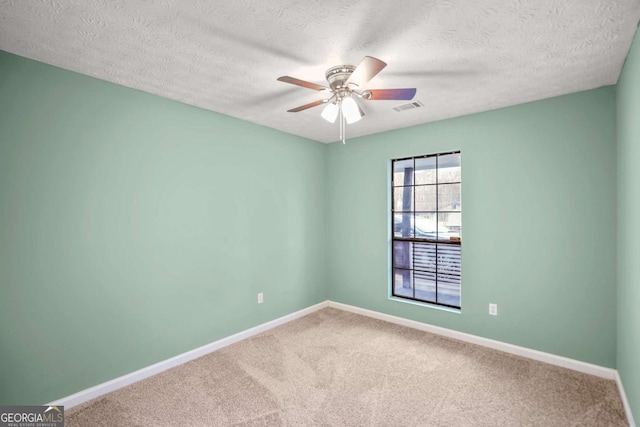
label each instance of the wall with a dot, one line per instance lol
(539, 224)
(134, 228)
(628, 113)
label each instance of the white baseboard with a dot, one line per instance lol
(576, 365)
(625, 401)
(117, 383)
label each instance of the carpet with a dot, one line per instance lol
(335, 368)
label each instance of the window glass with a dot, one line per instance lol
(427, 229)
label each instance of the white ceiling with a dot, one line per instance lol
(462, 56)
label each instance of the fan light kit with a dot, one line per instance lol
(345, 83)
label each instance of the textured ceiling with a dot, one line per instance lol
(225, 56)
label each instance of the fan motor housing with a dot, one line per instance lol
(337, 76)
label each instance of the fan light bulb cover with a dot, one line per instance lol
(330, 112)
(350, 110)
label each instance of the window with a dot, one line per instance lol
(426, 213)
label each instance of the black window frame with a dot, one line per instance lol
(449, 246)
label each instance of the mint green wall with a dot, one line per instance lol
(134, 228)
(628, 113)
(539, 223)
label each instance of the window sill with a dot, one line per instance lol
(426, 304)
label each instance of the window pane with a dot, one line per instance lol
(449, 289)
(402, 283)
(424, 257)
(425, 170)
(449, 168)
(426, 199)
(425, 284)
(402, 225)
(447, 298)
(449, 197)
(450, 226)
(402, 254)
(403, 172)
(426, 226)
(449, 263)
(403, 199)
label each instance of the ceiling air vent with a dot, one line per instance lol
(410, 106)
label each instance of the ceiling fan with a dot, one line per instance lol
(346, 83)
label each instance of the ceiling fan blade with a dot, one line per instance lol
(368, 68)
(389, 94)
(302, 83)
(309, 105)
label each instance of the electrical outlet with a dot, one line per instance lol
(493, 309)
(260, 298)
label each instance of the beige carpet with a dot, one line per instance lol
(334, 368)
